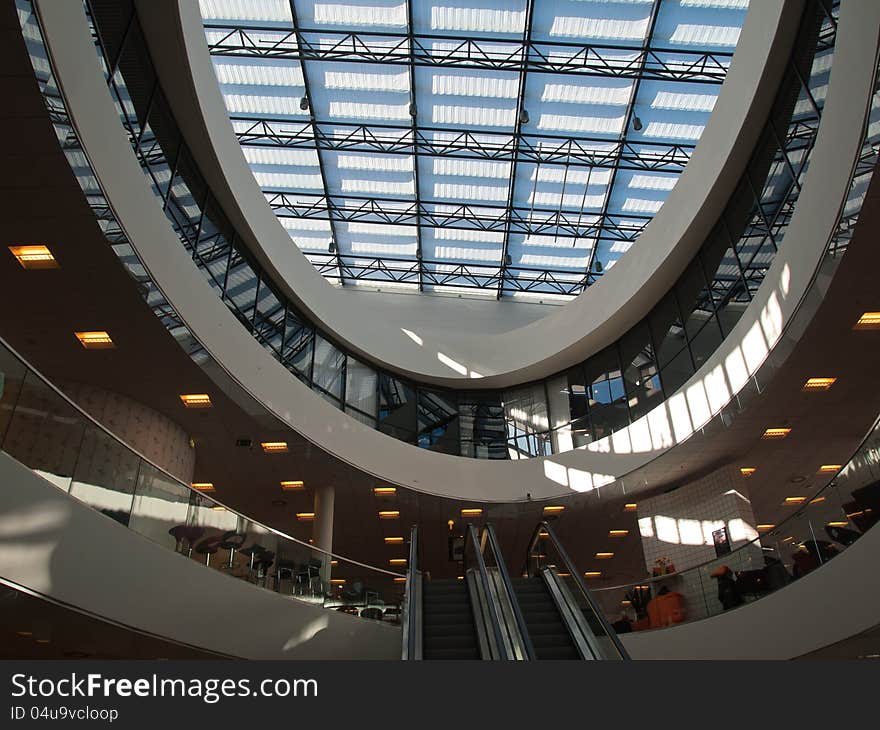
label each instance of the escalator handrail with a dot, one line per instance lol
(581, 584)
(410, 618)
(484, 581)
(508, 587)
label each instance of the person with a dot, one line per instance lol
(728, 591)
(666, 608)
(623, 625)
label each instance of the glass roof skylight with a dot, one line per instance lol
(505, 147)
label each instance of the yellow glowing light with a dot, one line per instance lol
(203, 486)
(305, 516)
(795, 500)
(814, 384)
(292, 485)
(471, 512)
(775, 433)
(196, 400)
(830, 468)
(868, 321)
(747, 471)
(389, 514)
(397, 561)
(384, 491)
(274, 447)
(552, 509)
(604, 556)
(618, 533)
(765, 527)
(593, 574)
(839, 523)
(630, 507)
(96, 340)
(393, 540)
(34, 257)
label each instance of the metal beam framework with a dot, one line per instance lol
(615, 61)
(407, 50)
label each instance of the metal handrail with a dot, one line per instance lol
(97, 424)
(489, 530)
(487, 591)
(581, 584)
(411, 626)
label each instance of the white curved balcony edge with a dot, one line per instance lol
(58, 547)
(835, 602)
(501, 356)
(704, 395)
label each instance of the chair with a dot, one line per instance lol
(252, 552)
(186, 536)
(209, 546)
(231, 541)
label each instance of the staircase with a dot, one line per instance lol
(448, 621)
(549, 636)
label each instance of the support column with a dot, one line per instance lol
(322, 527)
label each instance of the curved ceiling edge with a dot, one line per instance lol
(538, 349)
(720, 378)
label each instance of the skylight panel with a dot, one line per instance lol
(263, 105)
(467, 253)
(500, 51)
(461, 191)
(641, 205)
(673, 130)
(470, 168)
(570, 201)
(599, 28)
(479, 20)
(261, 155)
(690, 102)
(377, 163)
(574, 176)
(653, 182)
(719, 4)
(561, 261)
(392, 80)
(473, 116)
(292, 181)
(386, 15)
(372, 186)
(360, 110)
(245, 10)
(588, 92)
(476, 236)
(490, 86)
(584, 123)
(687, 34)
(250, 74)
(303, 225)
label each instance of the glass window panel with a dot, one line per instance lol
(269, 318)
(329, 368)
(706, 341)
(369, 420)
(676, 372)
(438, 421)
(667, 331)
(45, 432)
(397, 408)
(241, 288)
(637, 357)
(482, 427)
(361, 383)
(12, 373)
(608, 419)
(693, 298)
(160, 504)
(105, 474)
(526, 408)
(298, 344)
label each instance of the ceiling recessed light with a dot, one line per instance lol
(334, 562)
(868, 321)
(337, 581)
(400, 580)
(630, 507)
(203, 486)
(775, 433)
(305, 516)
(765, 527)
(384, 491)
(389, 514)
(42, 641)
(593, 574)
(604, 556)
(292, 485)
(553, 509)
(34, 257)
(830, 468)
(795, 500)
(95, 340)
(839, 523)
(787, 539)
(25, 633)
(817, 500)
(397, 561)
(274, 447)
(814, 384)
(393, 540)
(747, 471)
(196, 400)
(471, 512)
(218, 508)
(618, 533)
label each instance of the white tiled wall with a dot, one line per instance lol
(679, 526)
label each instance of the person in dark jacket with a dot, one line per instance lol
(728, 591)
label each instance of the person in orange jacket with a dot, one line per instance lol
(666, 608)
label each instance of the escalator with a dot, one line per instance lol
(550, 637)
(546, 614)
(448, 630)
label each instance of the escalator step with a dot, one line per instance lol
(557, 652)
(461, 641)
(452, 654)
